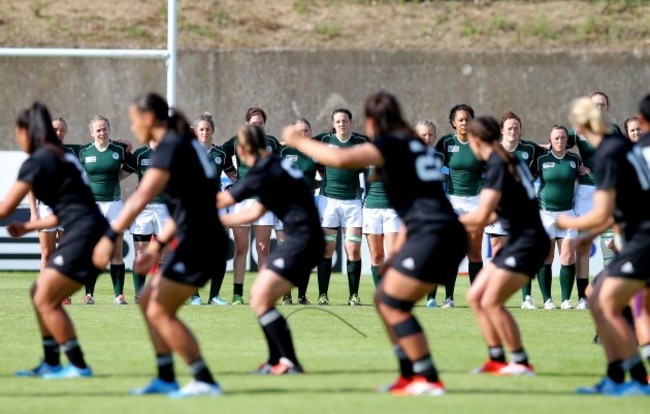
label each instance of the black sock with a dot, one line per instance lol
(496, 353)
(354, 276)
(200, 371)
(432, 294)
(645, 352)
(450, 286)
(405, 365)
(217, 280)
(276, 328)
(634, 365)
(274, 352)
(519, 356)
(627, 314)
(51, 351)
(472, 269)
(425, 368)
(581, 287)
(545, 278)
(89, 284)
(73, 352)
(324, 274)
(117, 277)
(238, 289)
(165, 364)
(615, 371)
(302, 286)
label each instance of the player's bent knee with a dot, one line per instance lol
(409, 327)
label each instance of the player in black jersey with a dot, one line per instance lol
(431, 243)
(623, 190)
(56, 179)
(509, 195)
(282, 190)
(188, 180)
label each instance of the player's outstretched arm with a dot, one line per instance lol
(598, 219)
(484, 214)
(16, 194)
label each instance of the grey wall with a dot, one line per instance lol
(288, 84)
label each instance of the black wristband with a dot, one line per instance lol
(111, 234)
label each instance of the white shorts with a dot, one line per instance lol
(278, 225)
(464, 204)
(110, 209)
(584, 200)
(496, 229)
(339, 213)
(43, 211)
(548, 221)
(268, 219)
(380, 221)
(150, 220)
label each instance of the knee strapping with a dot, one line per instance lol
(330, 238)
(409, 327)
(353, 238)
(399, 304)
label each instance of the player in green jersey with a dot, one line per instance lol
(204, 128)
(106, 163)
(309, 168)
(527, 152)
(339, 205)
(261, 228)
(463, 185)
(559, 171)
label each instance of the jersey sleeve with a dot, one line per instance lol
(495, 175)
(248, 186)
(440, 148)
(163, 156)
(606, 171)
(29, 170)
(130, 163)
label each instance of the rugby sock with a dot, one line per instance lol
(274, 351)
(200, 371)
(519, 356)
(217, 280)
(615, 371)
(374, 271)
(581, 286)
(73, 352)
(450, 286)
(433, 293)
(425, 368)
(51, 351)
(567, 278)
(302, 286)
(627, 314)
(275, 327)
(324, 274)
(526, 290)
(545, 277)
(138, 282)
(90, 286)
(165, 364)
(473, 268)
(496, 353)
(634, 365)
(118, 272)
(645, 351)
(405, 365)
(238, 289)
(354, 276)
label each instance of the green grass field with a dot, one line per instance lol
(342, 366)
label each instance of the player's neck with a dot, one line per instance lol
(462, 138)
(345, 137)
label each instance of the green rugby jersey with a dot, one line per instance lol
(307, 165)
(465, 170)
(558, 178)
(587, 151)
(527, 152)
(222, 162)
(72, 149)
(142, 157)
(341, 183)
(375, 194)
(103, 169)
(272, 144)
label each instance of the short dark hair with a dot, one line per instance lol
(459, 107)
(252, 111)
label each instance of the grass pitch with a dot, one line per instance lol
(342, 366)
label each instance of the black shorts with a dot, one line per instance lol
(196, 260)
(432, 257)
(633, 261)
(523, 254)
(296, 257)
(73, 257)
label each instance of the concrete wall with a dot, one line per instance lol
(288, 84)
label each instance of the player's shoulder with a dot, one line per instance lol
(360, 138)
(217, 149)
(447, 139)
(86, 147)
(323, 137)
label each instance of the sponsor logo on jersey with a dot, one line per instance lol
(582, 138)
(88, 160)
(293, 158)
(408, 263)
(524, 155)
(453, 148)
(572, 164)
(628, 268)
(510, 261)
(179, 267)
(269, 148)
(548, 165)
(58, 260)
(115, 156)
(217, 160)
(279, 263)
(145, 162)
